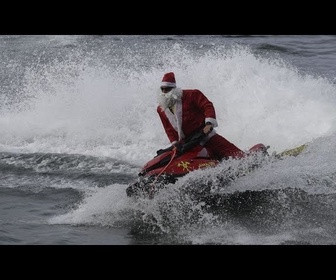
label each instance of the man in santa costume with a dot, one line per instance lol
(184, 112)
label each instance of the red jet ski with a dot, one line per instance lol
(174, 162)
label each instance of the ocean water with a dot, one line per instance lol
(78, 120)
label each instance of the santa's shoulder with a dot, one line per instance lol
(191, 91)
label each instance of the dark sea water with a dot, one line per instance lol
(78, 120)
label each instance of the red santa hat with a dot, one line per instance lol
(168, 80)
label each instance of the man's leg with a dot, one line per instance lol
(222, 148)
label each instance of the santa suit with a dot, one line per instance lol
(191, 111)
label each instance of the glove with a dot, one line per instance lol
(178, 146)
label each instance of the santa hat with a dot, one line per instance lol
(168, 80)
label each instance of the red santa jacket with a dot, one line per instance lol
(193, 109)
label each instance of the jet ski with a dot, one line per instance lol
(176, 161)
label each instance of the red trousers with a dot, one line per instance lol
(221, 148)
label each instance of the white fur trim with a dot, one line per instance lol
(213, 121)
(178, 116)
(167, 84)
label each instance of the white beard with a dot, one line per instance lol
(167, 100)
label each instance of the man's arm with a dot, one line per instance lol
(206, 106)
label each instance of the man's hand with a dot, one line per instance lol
(208, 128)
(178, 145)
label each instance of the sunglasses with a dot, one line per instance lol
(166, 89)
